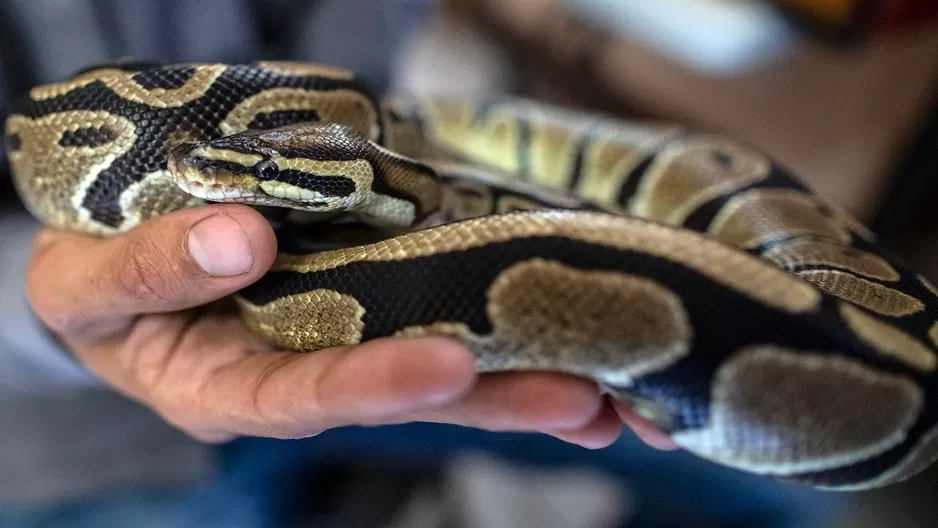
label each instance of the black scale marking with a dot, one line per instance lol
(282, 118)
(325, 185)
(200, 117)
(168, 80)
(701, 218)
(13, 142)
(87, 137)
(630, 186)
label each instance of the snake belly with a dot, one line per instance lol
(685, 272)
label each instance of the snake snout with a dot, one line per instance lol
(209, 174)
(178, 160)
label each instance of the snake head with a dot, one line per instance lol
(321, 167)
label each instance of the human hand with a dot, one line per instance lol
(643, 428)
(132, 308)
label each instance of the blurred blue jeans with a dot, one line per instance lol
(260, 481)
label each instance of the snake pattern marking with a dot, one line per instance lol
(685, 272)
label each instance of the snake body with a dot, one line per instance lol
(687, 273)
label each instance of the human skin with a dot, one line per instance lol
(144, 311)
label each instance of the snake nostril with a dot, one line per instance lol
(13, 142)
(722, 158)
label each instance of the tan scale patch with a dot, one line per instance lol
(308, 321)
(51, 90)
(494, 143)
(609, 326)
(553, 152)
(405, 134)
(608, 160)
(407, 139)
(805, 252)
(511, 203)
(758, 216)
(484, 177)
(612, 156)
(465, 199)
(154, 195)
(933, 333)
(441, 329)
(612, 326)
(124, 85)
(220, 154)
(687, 174)
(307, 199)
(179, 135)
(53, 178)
(100, 72)
(306, 69)
(921, 456)
(388, 211)
(359, 171)
(780, 411)
(346, 107)
(744, 273)
(411, 177)
(889, 340)
(870, 295)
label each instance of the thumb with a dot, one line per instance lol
(168, 263)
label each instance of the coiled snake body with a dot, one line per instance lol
(685, 272)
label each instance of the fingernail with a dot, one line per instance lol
(220, 247)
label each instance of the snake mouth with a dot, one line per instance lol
(270, 197)
(194, 171)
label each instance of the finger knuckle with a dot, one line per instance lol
(156, 365)
(268, 408)
(264, 406)
(184, 423)
(179, 416)
(144, 272)
(142, 362)
(180, 407)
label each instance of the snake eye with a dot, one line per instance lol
(266, 170)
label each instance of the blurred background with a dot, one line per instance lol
(843, 92)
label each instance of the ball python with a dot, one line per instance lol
(688, 274)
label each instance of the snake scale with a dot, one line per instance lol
(687, 273)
